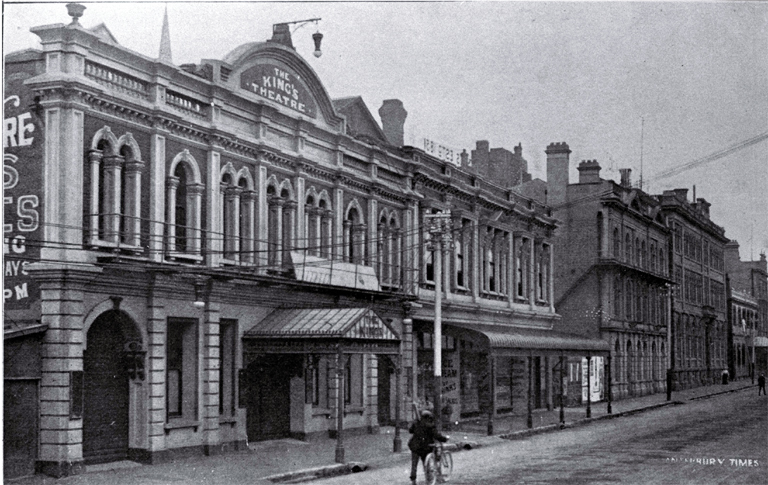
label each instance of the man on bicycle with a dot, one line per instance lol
(424, 436)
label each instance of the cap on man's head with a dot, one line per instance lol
(426, 414)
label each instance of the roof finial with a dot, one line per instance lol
(165, 41)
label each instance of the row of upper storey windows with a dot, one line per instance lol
(493, 262)
(697, 248)
(240, 227)
(241, 224)
(642, 252)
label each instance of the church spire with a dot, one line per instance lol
(165, 41)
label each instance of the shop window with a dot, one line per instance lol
(227, 374)
(181, 368)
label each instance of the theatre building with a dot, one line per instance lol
(213, 253)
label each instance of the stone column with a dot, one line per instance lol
(211, 364)
(133, 171)
(194, 200)
(172, 184)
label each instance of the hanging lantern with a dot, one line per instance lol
(318, 38)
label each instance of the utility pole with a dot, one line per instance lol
(440, 239)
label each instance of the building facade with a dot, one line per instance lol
(742, 322)
(750, 278)
(697, 265)
(212, 253)
(499, 346)
(611, 266)
(218, 253)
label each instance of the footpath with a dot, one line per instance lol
(293, 461)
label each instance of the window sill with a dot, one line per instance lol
(230, 420)
(354, 410)
(321, 412)
(181, 423)
(184, 256)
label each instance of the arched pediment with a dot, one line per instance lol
(277, 73)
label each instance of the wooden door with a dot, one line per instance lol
(105, 394)
(269, 397)
(384, 401)
(20, 427)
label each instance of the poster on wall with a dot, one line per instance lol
(22, 198)
(451, 385)
(593, 372)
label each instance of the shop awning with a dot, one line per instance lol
(520, 341)
(322, 330)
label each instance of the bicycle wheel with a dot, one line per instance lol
(430, 470)
(446, 466)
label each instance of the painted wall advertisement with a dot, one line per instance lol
(279, 85)
(451, 384)
(593, 372)
(22, 198)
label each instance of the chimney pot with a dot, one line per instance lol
(393, 114)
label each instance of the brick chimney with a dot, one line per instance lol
(558, 155)
(589, 172)
(393, 116)
(626, 177)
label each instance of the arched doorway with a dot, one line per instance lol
(268, 395)
(105, 388)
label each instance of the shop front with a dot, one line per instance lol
(495, 370)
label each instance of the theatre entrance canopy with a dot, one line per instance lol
(321, 331)
(504, 340)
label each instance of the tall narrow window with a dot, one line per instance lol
(616, 243)
(491, 270)
(180, 209)
(227, 342)
(617, 287)
(181, 368)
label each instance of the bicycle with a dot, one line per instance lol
(438, 465)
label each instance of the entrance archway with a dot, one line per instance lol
(105, 388)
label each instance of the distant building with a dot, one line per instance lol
(696, 259)
(751, 278)
(611, 269)
(742, 320)
(504, 168)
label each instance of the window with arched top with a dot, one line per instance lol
(616, 243)
(114, 197)
(183, 203)
(617, 297)
(326, 237)
(354, 237)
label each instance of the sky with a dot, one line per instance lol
(648, 85)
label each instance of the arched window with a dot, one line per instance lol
(617, 297)
(600, 236)
(637, 252)
(246, 221)
(354, 237)
(644, 256)
(229, 217)
(325, 229)
(180, 210)
(311, 226)
(459, 264)
(629, 299)
(286, 226)
(273, 225)
(616, 243)
(627, 248)
(394, 252)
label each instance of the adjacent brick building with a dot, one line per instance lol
(611, 268)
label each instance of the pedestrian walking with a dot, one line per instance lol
(761, 384)
(424, 433)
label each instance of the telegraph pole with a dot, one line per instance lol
(439, 239)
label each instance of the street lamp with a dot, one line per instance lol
(281, 33)
(440, 238)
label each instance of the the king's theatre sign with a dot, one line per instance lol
(280, 85)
